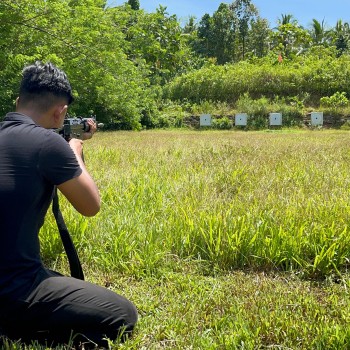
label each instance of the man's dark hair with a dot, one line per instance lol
(44, 84)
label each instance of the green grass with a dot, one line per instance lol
(222, 239)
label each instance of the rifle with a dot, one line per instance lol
(76, 127)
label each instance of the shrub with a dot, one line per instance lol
(223, 123)
(258, 107)
(257, 122)
(292, 110)
(346, 125)
(336, 101)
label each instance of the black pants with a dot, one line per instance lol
(61, 309)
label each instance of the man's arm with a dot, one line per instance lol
(81, 191)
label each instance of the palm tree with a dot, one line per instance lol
(318, 32)
(340, 36)
(286, 19)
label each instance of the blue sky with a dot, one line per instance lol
(303, 10)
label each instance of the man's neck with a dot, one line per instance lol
(37, 117)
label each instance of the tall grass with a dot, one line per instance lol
(209, 232)
(222, 200)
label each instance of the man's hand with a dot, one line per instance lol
(93, 127)
(77, 146)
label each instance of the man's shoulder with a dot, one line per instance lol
(21, 121)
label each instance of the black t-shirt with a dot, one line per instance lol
(33, 160)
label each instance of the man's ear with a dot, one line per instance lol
(60, 112)
(64, 110)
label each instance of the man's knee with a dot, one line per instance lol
(131, 316)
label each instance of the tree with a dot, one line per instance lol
(156, 42)
(289, 38)
(134, 4)
(259, 34)
(78, 36)
(217, 35)
(286, 19)
(223, 35)
(244, 13)
(318, 32)
(204, 46)
(191, 36)
(190, 26)
(340, 36)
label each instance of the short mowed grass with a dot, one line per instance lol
(222, 239)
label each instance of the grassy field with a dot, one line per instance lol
(222, 239)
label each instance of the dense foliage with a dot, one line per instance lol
(317, 73)
(125, 64)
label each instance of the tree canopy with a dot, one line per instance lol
(119, 59)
